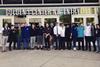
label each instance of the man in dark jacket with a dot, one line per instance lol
(12, 38)
(68, 36)
(39, 36)
(32, 36)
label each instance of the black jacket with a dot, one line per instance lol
(12, 37)
(32, 31)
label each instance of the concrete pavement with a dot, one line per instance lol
(53, 58)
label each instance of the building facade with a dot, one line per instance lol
(40, 11)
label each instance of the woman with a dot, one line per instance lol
(12, 38)
(47, 36)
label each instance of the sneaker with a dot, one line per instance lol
(74, 49)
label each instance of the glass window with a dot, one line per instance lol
(73, 1)
(12, 1)
(2, 12)
(32, 1)
(91, 0)
(90, 20)
(52, 1)
(78, 20)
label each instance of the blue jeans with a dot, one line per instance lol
(19, 43)
(98, 43)
(26, 43)
(74, 40)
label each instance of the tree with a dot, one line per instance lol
(65, 19)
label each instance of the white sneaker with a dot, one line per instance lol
(74, 49)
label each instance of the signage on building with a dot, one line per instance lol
(42, 11)
(53, 11)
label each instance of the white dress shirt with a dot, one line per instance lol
(62, 31)
(87, 31)
(57, 30)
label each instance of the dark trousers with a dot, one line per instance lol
(19, 43)
(10, 44)
(62, 43)
(88, 40)
(68, 42)
(26, 43)
(74, 40)
(57, 39)
(47, 43)
(80, 40)
(93, 42)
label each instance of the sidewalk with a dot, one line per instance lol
(53, 58)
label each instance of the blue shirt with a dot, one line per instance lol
(74, 32)
(25, 32)
(80, 31)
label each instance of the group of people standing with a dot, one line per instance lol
(50, 36)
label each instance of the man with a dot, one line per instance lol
(5, 37)
(12, 38)
(25, 33)
(56, 35)
(88, 34)
(98, 37)
(74, 35)
(33, 36)
(39, 35)
(62, 37)
(68, 36)
(19, 38)
(80, 37)
(93, 36)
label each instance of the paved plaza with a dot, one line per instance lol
(53, 58)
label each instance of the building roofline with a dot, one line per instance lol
(49, 5)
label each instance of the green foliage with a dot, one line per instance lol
(65, 18)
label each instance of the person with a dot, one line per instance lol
(52, 34)
(68, 36)
(12, 38)
(56, 35)
(5, 37)
(62, 37)
(98, 37)
(25, 35)
(74, 35)
(39, 36)
(19, 39)
(47, 36)
(93, 36)
(80, 36)
(32, 36)
(87, 33)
